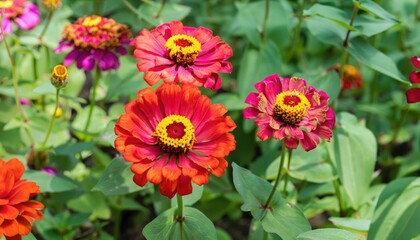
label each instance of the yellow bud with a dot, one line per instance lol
(59, 76)
(59, 112)
(51, 4)
(6, 4)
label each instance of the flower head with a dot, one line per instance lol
(25, 14)
(288, 109)
(174, 136)
(51, 4)
(17, 211)
(94, 40)
(413, 94)
(177, 53)
(351, 76)
(59, 76)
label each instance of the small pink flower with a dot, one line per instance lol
(177, 53)
(413, 94)
(24, 101)
(25, 14)
(289, 109)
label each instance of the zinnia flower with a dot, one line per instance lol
(177, 53)
(25, 14)
(17, 211)
(174, 136)
(289, 109)
(351, 76)
(413, 94)
(94, 40)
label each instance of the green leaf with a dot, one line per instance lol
(397, 213)
(172, 11)
(329, 234)
(326, 81)
(230, 100)
(375, 59)
(97, 123)
(361, 225)
(190, 199)
(256, 65)
(370, 26)
(195, 225)
(353, 151)
(30, 236)
(374, 8)
(49, 183)
(281, 218)
(117, 179)
(91, 202)
(331, 13)
(326, 30)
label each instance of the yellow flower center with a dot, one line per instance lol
(6, 4)
(91, 21)
(183, 49)
(290, 107)
(175, 133)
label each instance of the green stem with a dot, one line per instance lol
(339, 197)
(162, 6)
(93, 97)
(117, 223)
(265, 235)
(283, 153)
(286, 177)
(180, 213)
(417, 14)
(296, 36)
(265, 23)
(57, 94)
(346, 41)
(130, 7)
(396, 131)
(44, 30)
(98, 6)
(15, 82)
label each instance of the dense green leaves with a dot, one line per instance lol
(353, 153)
(397, 212)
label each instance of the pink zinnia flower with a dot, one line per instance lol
(413, 94)
(174, 136)
(289, 109)
(177, 53)
(95, 41)
(25, 14)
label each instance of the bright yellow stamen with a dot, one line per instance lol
(6, 4)
(183, 48)
(91, 21)
(290, 107)
(180, 143)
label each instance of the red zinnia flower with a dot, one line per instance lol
(95, 40)
(16, 210)
(289, 109)
(174, 136)
(351, 76)
(177, 53)
(413, 94)
(25, 14)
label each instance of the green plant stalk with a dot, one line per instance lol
(395, 135)
(50, 126)
(286, 177)
(296, 35)
(162, 6)
(130, 7)
(93, 97)
(265, 23)
(180, 213)
(117, 223)
(15, 82)
(44, 30)
(276, 183)
(417, 14)
(346, 41)
(339, 197)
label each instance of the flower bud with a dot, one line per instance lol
(59, 76)
(51, 4)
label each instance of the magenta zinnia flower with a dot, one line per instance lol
(177, 53)
(174, 136)
(288, 109)
(95, 40)
(25, 14)
(413, 94)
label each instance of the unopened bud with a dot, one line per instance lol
(51, 4)
(59, 76)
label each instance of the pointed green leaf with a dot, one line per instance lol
(397, 213)
(329, 234)
(172, 11)
(361, 225)
(49, 183)
(376, 9)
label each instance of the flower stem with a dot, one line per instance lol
(286, 177)
(93, 97)
(130, 7)
(417, 14)
(296, 36)
(162, 6)
(283, 153)
(339, 197)
(57, 93)
(15, 82)
(265, 23)
(44, 30)
(179, 213)
(346, 41)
